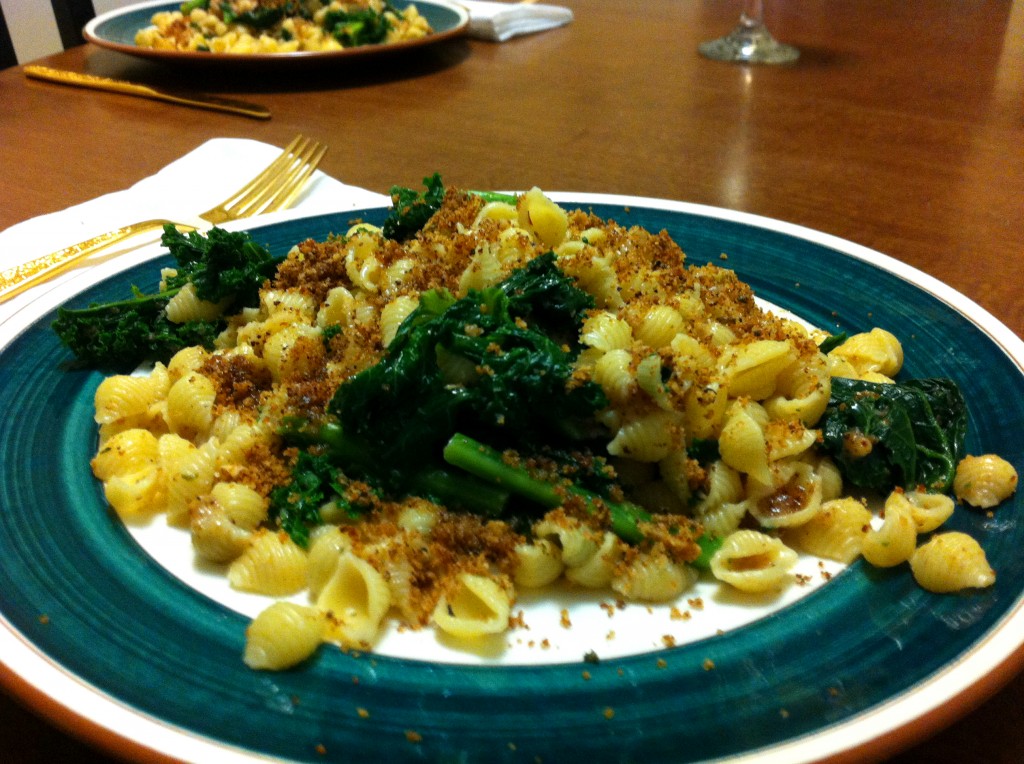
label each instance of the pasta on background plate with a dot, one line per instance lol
(688, 435)
(280, 26)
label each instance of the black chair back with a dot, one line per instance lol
(69, 16)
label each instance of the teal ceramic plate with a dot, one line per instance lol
(95, 631)
(116, 30)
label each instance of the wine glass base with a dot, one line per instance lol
(749, 44)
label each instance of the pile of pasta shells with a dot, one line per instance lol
(683, 353)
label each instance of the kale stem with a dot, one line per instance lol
(111, 308)
(495, 196)
(708, 546)
(487, 463)
(350, 451)
(461, 491)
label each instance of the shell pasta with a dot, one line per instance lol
(701, 453)
(270, 26)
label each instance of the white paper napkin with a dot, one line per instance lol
(192, 184)
(502, 21)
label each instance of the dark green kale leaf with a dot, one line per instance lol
(221, 265)
(411, 209)
(833, 341)
(315, 480)
(225, 268)
(703, 450)
(516, 343)
(121, 335)
(360, 26)
(264, 15)
(908, 434)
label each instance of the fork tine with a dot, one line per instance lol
(255, 202)
(256, 183)
(287, 193)
(255, 187)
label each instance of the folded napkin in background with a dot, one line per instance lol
(502, 21)
(180, 191)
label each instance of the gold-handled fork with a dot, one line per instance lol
(273, 189)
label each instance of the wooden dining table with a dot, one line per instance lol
(900, 128)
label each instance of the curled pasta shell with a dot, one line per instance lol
(214, 536)
(659, 326)
(243, 506)
(742, 443)
(648, 438)
(484, 270)
(577, 543)
(396, 274)
(614, 373)
(929, 510)
(723, 485)
(538, 564)
(282, 636)
(186, 361)
(501, 211)
(393, 314)
(186, 306)
(836, 532)
(273, 564)
(478, 606)
(545, 218)
(831, 479)
(704, 411)
(597, 277)
(803, 391)
(239, 441)
(754, 369)
(419, 515)
(356, 599)
(338, 307)
(292, 301)
(190, 406)
(188, 473)
(950, 562)
(984, 481)
(325, 550)
(648, 379)
(597, 570)
(603, 331)
(125, 453)
(295, 351)
(722, 519)
(124, 396)
(788, 438)
(877, 351)
(894, 541)
(134, 495)
(654, 578)
(794, 502)
(753, 562)
(361, 264)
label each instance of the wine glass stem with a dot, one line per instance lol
(752, 15)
